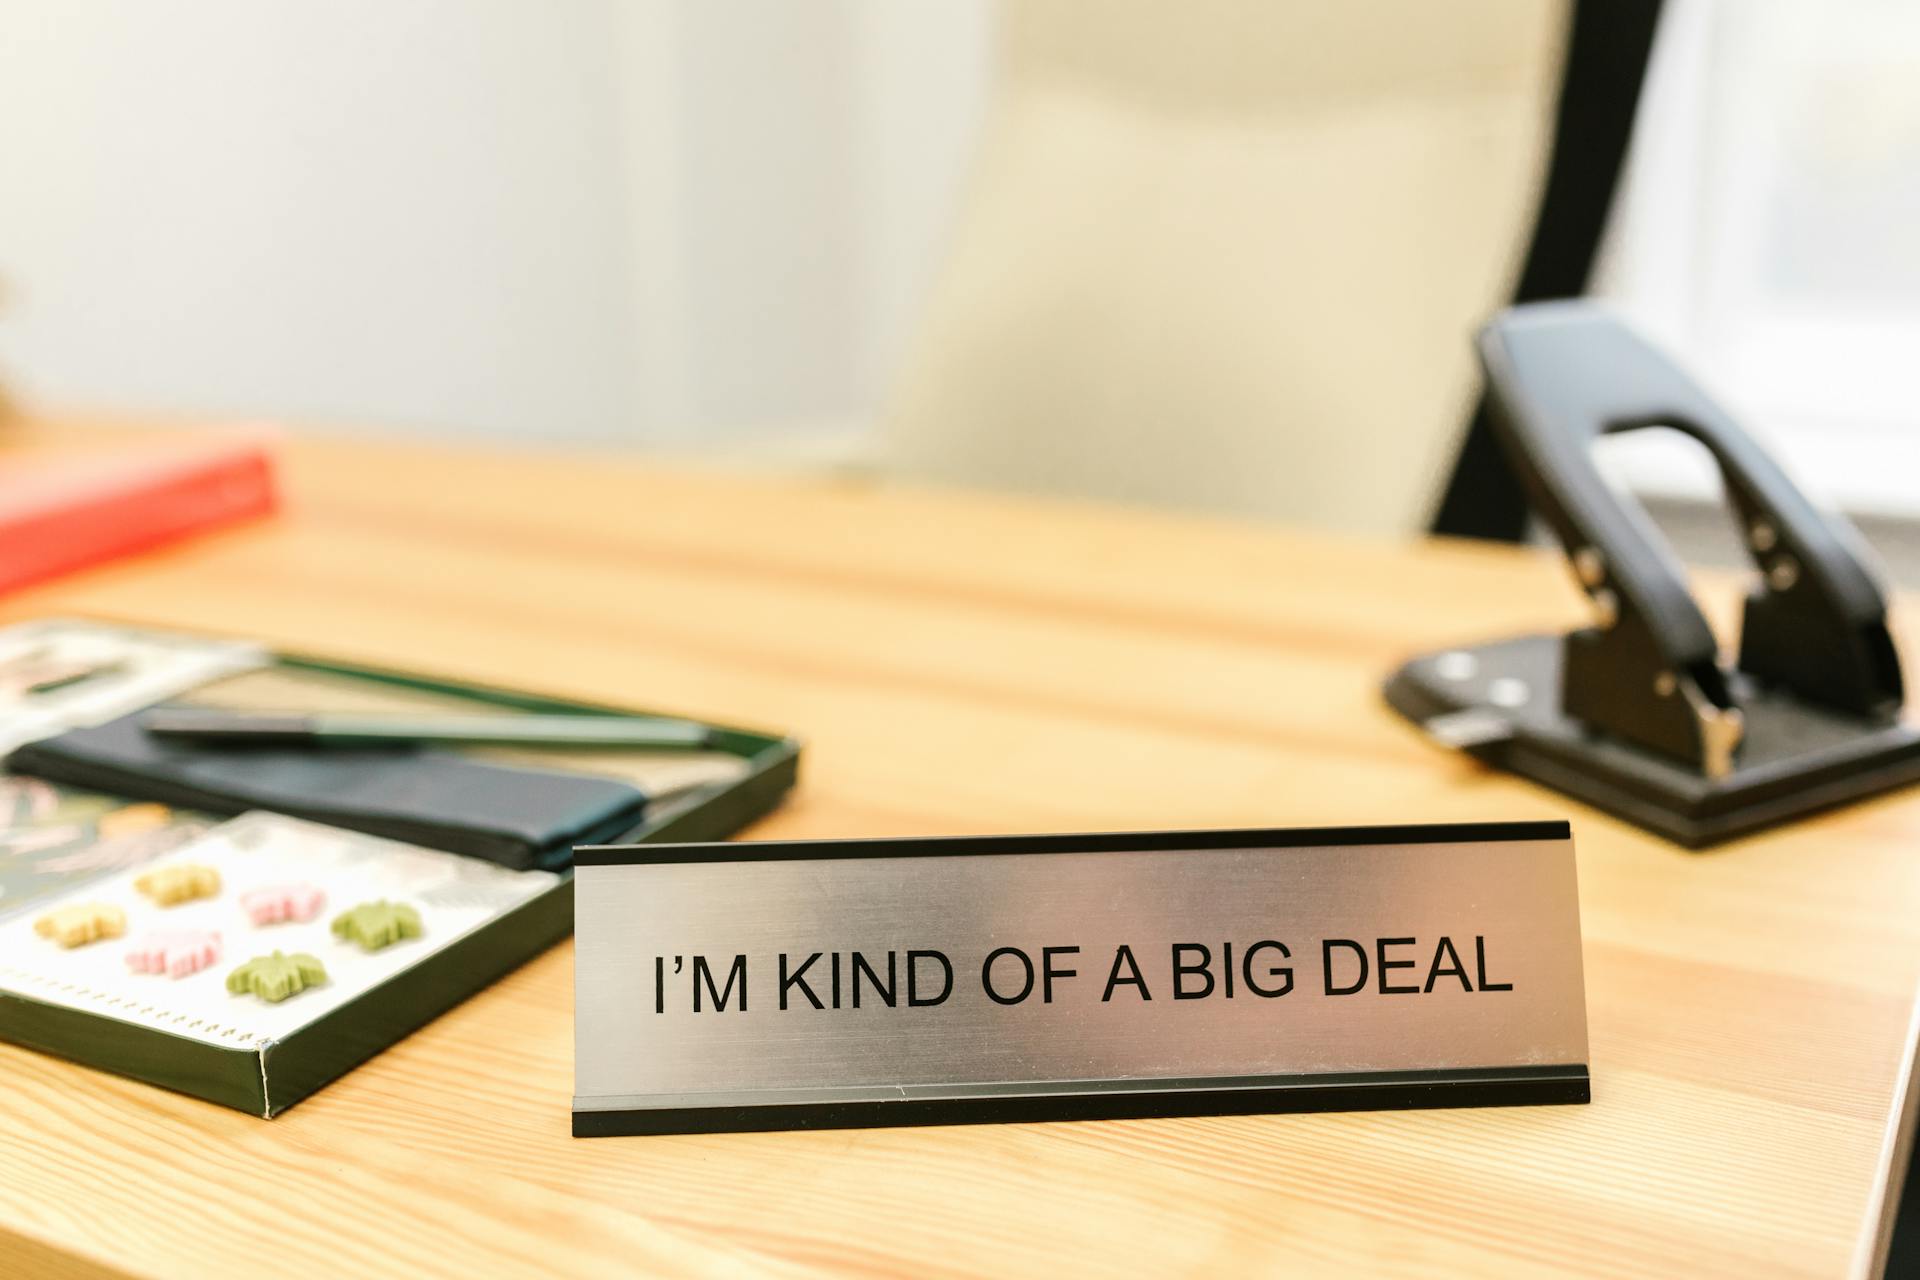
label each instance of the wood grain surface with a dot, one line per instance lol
(965, 664)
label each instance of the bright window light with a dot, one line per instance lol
(1769, 233)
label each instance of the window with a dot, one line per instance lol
(1769, 234)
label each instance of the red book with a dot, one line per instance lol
(66, 514)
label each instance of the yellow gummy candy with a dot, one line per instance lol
(183, 882)
(78, 925)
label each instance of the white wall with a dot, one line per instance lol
(652, 222)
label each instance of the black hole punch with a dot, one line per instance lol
(1650, 723)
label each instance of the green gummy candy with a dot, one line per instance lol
(377, 924)
(273, 978)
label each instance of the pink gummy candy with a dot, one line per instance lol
(174, 954)
(278, 903)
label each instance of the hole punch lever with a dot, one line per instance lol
(1647, 721)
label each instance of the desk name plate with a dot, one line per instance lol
(816, 984)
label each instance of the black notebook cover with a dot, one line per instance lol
(513, 816)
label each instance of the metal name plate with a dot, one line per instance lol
(834, 983)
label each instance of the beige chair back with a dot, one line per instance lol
(1229, 254)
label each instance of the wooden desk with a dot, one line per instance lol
(962, 664)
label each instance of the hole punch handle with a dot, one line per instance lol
(1561, 375)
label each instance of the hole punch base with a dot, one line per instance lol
(1500, 703)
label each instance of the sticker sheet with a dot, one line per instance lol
(54, 840)
(169, 930)
(60, 673)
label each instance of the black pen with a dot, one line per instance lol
(327, 729)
